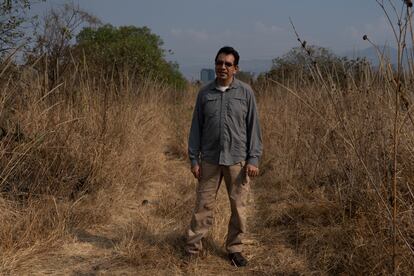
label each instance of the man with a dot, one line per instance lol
(224, 142)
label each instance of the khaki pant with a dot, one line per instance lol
(238, 186)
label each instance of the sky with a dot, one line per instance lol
(260, 30)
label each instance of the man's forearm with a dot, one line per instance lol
(254, 136)
(194, 140)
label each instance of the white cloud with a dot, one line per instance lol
(260, 27)
(379, 31)
(190, 34)
(254, 40)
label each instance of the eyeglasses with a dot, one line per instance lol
(226, 63)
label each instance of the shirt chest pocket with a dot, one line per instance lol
(237, 106)
(211, 106)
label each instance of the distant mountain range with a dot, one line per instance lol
(257, 66)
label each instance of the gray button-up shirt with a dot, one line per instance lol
(225, 126)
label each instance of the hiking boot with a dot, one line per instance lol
(237, 259)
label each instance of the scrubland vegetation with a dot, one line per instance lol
(94, 176)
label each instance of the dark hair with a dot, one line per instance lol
(229, 51)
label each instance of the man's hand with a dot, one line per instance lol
(252, 170)
(196, 170)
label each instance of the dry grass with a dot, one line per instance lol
(94, 179)
(332, 182)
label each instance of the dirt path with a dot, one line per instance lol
(145, 237)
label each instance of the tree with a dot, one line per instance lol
(55, 39)
(300, 66)
(245, 76)
(127, 49)
(13, 18)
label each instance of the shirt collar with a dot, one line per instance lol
(234, 84)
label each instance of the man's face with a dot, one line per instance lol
(225, 68)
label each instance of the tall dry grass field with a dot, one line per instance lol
(95, 179)
(71, 158)
(328, 176)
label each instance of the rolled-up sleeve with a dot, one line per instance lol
(194, 141)
(254, 137)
